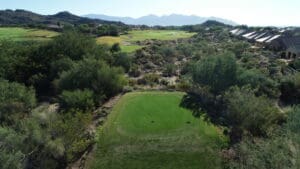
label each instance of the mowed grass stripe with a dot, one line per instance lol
(150, 130)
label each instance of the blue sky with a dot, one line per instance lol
(250, 12)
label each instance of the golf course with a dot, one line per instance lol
(149, 130)
(128, 41)
(24, 34)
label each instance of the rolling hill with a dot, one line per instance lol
(23, 17)
(166, 20)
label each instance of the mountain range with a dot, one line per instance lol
(165, 20)
(19, 17)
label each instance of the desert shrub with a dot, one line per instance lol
(135, 71)
(115, 48)
(15, 100)
(248, 114)
(151, 79)
(123, 60)
(258, 80)
(78, 99)
(290, 89)
(183, 85)
(170, 70)
(279, 151)
(95, 76)
(11, 156)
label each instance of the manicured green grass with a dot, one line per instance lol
(149, 130)
(128, 41)
(130, 48)
(141, 35)
(22, 34)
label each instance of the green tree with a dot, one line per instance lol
(290, 89)
(124, 60)
(11, 156)
(216, 72)
(238, 48)
(115, 48)
(248, 114)
(15, 101)
(258, 80)
(94, 75)
(78, 99)
(279, 151)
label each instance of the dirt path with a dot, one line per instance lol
(99, 118)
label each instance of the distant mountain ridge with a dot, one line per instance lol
(19, 16)
(166, 20)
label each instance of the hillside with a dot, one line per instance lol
(23, 17)
(166, 20)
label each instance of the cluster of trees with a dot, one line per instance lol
(245, 100)
(103, 30)
(279, 150)
(74, 75)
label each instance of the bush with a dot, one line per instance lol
(183, 85)
(151, 79)
(258, 80)
(123, 60)
(78, 99)
(15, 99)
(135, 71)
(280, 151)
(95, 76)
(115, 48)
(249, 114)
(216, 72)
(10, 155)
(270, 153)
(53, 139)
(74, 133)
(290, 89)
(296, 64)
(170, 70)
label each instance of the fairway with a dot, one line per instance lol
(128, 41)
(23, 34)
(141, 35)
(148, 130)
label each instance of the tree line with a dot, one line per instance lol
(73, 75)
(256, 104)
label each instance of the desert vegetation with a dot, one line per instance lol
(115, 96)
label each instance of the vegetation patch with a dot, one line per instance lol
(150, 130)
(128, 41)
(23, 34)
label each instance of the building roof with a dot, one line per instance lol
(263, 39)
(273, 38)
(234, 31)
(247, 35)
(238, 32)
(292, 43)
(260, 35)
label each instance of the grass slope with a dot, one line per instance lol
(128, 41)
(22, 34)
(149, 130)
